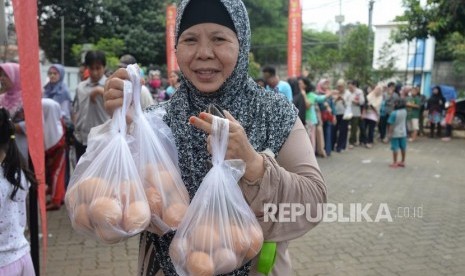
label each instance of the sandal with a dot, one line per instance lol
(393, 165)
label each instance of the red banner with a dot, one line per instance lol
(294, 40)
(25, 14)
(171, 62)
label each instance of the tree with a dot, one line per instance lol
(254, 67)
(320, 52)
(443, 19)
(358, 54)
(268, 23)
(387, 61)
(139, 23)
(437, 18)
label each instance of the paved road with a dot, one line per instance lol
(430, 241)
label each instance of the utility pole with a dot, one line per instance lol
(370, 20)
(339, 19)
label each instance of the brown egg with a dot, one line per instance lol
(128, 192)
(239, 241)
(174, 214)
(105, 211)
(167, 182)
(71, 198)
(256, 242)
(200, 264)
(136, 217)
(92, 188)
(179, 249)
(225, 261)
(205, 238)
(81, 218)
(150, 175)
(155, 201)
(108, 234)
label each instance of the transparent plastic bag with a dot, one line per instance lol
(220, 232)
(155, 156)
(105, 198)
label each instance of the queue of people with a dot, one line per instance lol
(347, 116)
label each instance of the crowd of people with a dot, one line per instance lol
(346, 116)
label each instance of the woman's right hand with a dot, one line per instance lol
(114, 90)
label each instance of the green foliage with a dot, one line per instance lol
(456, 45)
(320, 52)
(139, 23)
(438, 18)
(358, 54)
(386, 60)
(268, 22)
(112, 47)
(254, 67)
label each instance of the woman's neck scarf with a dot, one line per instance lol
(267, 118)
(11, 100)
(57, 91)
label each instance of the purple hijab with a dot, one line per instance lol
(11, 100)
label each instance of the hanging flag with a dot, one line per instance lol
(25, 15)
(294, 39)
(171, 62)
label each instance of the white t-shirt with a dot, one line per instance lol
(13, 243)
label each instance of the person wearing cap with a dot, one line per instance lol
(212, 48)
(146, 99)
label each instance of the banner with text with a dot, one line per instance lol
(294, 40)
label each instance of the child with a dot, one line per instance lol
(398, 132)
(88, 103)
(55, 153)
(15, 258)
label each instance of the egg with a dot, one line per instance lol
(205, 238)
(91, 188)
(128, 192)
(105, 211)
(71, 198)
(256, 241)
(108, 234)
(174, 214)
(200, 264)
(157, 176)
(150, 175)
(81, 218)
(136, 217)
(225, 261)
(179, 249)
(240, 243)
(155, 201)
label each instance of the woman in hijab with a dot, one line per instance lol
(435, 106)
(57, 90)
(371, 114)
(212, 48)
(11, 100)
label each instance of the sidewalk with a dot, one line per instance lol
(431, 245)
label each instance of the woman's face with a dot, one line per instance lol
(173, 78)
(435, 91)
(5, 82)
(53, 75)
(207, 54)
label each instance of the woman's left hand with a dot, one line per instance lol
(239, 146)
